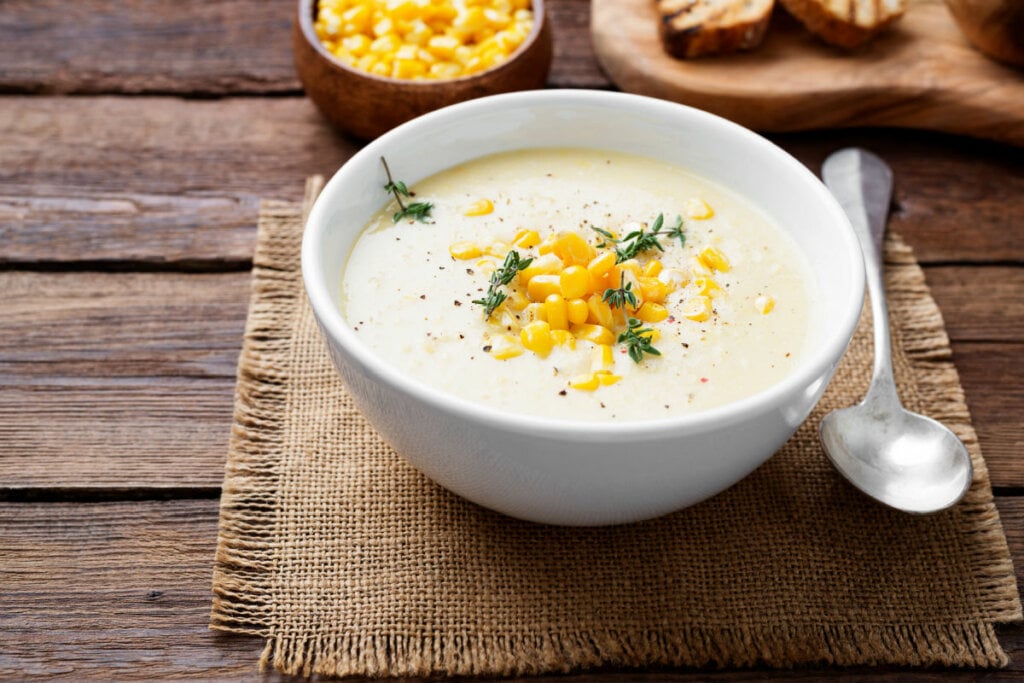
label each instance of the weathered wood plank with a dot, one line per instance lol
(210, 47)
(114, 380)
(170, 181)
(121, 591)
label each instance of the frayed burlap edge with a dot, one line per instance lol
(244, 562)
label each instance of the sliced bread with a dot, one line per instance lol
(690, 28)
(846, 23)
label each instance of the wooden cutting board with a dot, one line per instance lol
(922, 74)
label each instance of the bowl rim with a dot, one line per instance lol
(819, 362)
(305, 22)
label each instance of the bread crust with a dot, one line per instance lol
(835, 30)
(720, 33)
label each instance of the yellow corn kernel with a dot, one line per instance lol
(558, 314)
(628, 266)
(464, 250)
(536, 337)
(607, 379)
(408, 68)
(545, 264)
(707, 286)
(486, 266)
(443, 46)
(547, 245)
(575, 281)
(481, 207)
(651, 312)
(652, 333)
(577, 310)
(535, 311)
(653, 289)
(698, 209)
(601, 264)
(596, 334)
(357, 45)
(505, 346)
(697, 308)
(445, 70)
(601, 357)
(698, 268)
(764, 304)
(564, 338)
(517, 301)
(713, 258)
(600, 312)
(573, 249)
(653, 268)
(589, 382)
(526, 239)
(497, 248)
(384, 27)
(419, 33)
(540, 286)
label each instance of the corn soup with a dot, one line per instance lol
(579, 284)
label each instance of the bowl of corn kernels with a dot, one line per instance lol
(370, 65)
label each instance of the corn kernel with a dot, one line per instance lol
(546, 264)
(486, 266)
(547, 245)
(505, 346)
(536, 337)
(697, 308)
(564, 338)
(535, 311)
(698, 268)
(698, 209)
(653, 289)
(577, 310)
(526, 239)
(597, 334)
(714, 258)
(517, 301)
(653, 268)
(464, 250)
(607, 379)
(481, 207)
(600, 312)
(573, 249)
(651, 312)
(601, 357)
(575, 281)
(540, 286)
(707, 286)
(764, 304)
(558, 314)
(601, 264)
(497, 248)
(408, 68)
(443, 46)
(588, 382)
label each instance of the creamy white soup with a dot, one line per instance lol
(581, 285)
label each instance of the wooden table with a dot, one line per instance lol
(136, 140)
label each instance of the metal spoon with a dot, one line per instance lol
(905, 460)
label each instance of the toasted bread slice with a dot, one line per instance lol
(846, 23)
(690, 28)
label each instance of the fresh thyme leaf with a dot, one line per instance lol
(636, 242)
(499, 278)
(618, 298)
(677, 231)
(637, 340)
(418, 210)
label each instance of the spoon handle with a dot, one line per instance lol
(862, 183)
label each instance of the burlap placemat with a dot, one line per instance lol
(348, 561)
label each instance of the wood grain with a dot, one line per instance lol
(115, 380)
(209, 47)
(923, 74)
(165, 182)
(121, 591)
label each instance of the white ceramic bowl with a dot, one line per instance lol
(558, 471)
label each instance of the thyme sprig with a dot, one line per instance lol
(677, 231)
(618, 298)
(499, 278)
(638, 340)
(639, 241)
(418, 210)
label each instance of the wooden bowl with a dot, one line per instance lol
(995, 27)
(366, 105)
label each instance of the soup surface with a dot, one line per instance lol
(582, 285)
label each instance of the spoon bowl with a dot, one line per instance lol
(907, 461)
